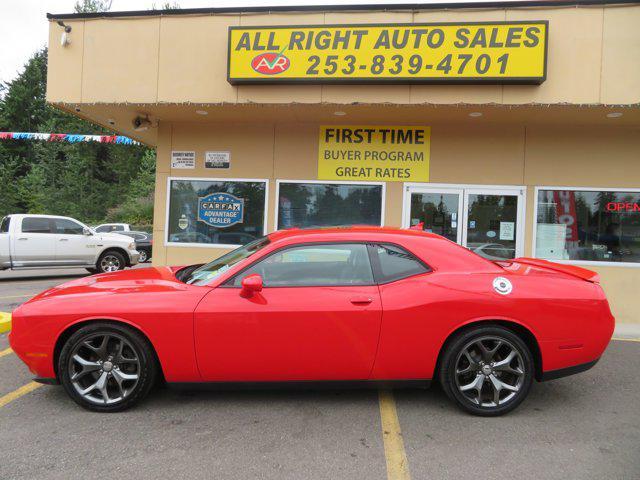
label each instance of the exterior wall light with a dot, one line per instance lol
(140, 124)
(64, 38)
(339, 114)
(614, 115)
(475, 114)
(202, 112)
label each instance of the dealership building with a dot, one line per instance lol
(512, 128)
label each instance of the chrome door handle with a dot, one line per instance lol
(23, 238)
(64, 239)
(361, 300)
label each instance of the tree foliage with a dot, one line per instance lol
(88, 181)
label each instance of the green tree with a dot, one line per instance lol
(86, 180)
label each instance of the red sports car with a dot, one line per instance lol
(364, 306)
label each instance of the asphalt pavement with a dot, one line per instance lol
(581, 427)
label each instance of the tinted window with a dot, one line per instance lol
(102, 229)
(228, 212)
(328, 204)
(600, 226)
(314, 265)
(4, 225)
(36, 225)
(117, 228)
(67, 227)
(396, 263)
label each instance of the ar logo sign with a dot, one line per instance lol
(270, 63)
(220, 210)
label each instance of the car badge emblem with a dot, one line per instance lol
(502, 286)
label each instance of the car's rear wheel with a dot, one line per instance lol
(110, 261)
(487, 371)
(107, 367)
(143, 256)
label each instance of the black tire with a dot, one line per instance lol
(115, 260)
(518, 373)
(117, 399)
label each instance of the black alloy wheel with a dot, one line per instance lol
(487, 371)
(107, 367)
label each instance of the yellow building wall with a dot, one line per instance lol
(592, 59)
(491, 155)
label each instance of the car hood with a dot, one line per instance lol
(114, 237)
(139, 280)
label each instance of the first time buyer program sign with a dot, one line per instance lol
(374, 153)
(495, 52)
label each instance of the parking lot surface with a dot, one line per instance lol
(581, 427)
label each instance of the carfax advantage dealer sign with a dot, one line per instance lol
(496, 52)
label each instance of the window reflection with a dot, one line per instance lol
(588, 225)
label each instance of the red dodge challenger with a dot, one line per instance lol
(357, 305)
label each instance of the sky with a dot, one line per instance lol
(24, 27)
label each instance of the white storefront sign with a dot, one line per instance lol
(182, 159)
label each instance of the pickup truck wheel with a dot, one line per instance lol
(110, 261)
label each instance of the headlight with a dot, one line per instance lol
(132, 246)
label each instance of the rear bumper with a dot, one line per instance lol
(565, 372)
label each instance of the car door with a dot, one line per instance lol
(73, 247)
(317, 318)
(34, 243)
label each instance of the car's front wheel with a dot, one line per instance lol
(110, 261)
(487, 371)
(143, 256)
(107, 367)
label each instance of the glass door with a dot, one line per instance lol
(435, 210)
(487, 220)
(492, 222)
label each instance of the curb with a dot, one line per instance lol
(5, 322)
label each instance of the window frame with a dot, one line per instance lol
(49, 221)
(227, 246)
(330, 182)
(228, 283)
(55, 226)
(4, 219)
(377, 267)
(592, 263)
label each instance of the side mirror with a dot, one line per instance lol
(86, 231)
(251, 284)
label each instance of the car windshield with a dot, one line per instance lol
(209, 271)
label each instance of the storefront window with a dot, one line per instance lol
(328, 204)
(599, 226)
(224, 212)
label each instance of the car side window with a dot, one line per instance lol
(4, 225)
(117, 228)
(67, 227)
(395, 263)
(313, 265)
(36, 225)
(102, 229)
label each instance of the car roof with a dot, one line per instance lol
(349, 231)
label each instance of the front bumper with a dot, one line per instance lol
(134, 256)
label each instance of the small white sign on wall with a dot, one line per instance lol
(217, 159)
(182, 159)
